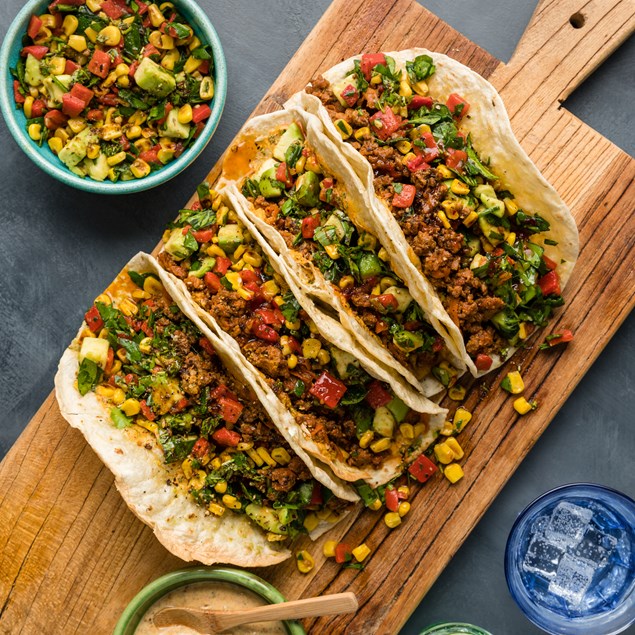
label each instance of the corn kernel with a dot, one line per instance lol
(109, 35)
(522, 331)
(140, 169)
(380, 445)
(360, 133)
(407, 431)
(105, 391)
(292, 361)
(403, 509)
(513, 383)
(55, 144)
(323, 357)
(329, 548)
(152, 286)
(375, 505)
(186, 466)
(216, 509)
(366, 438)
(28, 106)
(511, 206)
(266, 457)
(458, 187)
(220, 487)
(156, 17)
(511, 238)
(392, 519)
(254, 259)
(122, 354)
(382, 254)
(115, 368)
(332, 251)
(421, 88)
(444, 219)
(150, 426)
(131, 407)
(375, 79)
(231, 501)
(191, 65)
(311, 347)
(346, 282)
(206, 89)
(461, 418)
(109, 132)
(35, 131)
(118, 396)
(522, 406)
(403, 146)
(161, 40)
(360, 553)
(443, 453)
(280, 456)
(216, 463)
(404, 492)
(344, 128)
(94, 5)
(457, 393)
(444, 171)
(420, 429)
(78, 43)
(453, 472)
(57, 65)
(304, 561)
(76, 124)
(311, 522)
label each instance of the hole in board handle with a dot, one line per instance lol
(577, 20)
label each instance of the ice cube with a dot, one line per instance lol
(567, 524)
(542, 557)
(539, 525)
(572, 579)
(595, 547)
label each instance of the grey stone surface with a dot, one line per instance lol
(59, 247)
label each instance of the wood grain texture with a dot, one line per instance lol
(72, 555)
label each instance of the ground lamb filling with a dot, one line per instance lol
(445, 253)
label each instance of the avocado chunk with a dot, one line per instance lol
(95, 349)
(53, 88)
(205, 265)
(492, 232)
(398, 409)
(383, 422)
(174, 128)
(266, 517)
(268, 185)
(32, 73)
(180, 245)
(153, 78)
(75, 150)
(307, 189)
(98, 168)
(407, 341)
(369, 266)
(506, 323)
(402, 296)
(291, 134)
(230, 237)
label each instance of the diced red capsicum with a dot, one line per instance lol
(328, 390)
(422, 468)
(309, 225)
(35, 24)
(282, 175)
(110, 359)
(72, 106)
(230, 409)
(377, 395)
(317, 496)
(483, 362)
(385, 123)
(203, 235)
(226, 438)
(405, 198)
(146, 411)
(457, 105)
(206, 345)
(37, 51)
(83, 93)
(17, 95)
(212, 282)
(455, 159)
(550, 284)
(270, 316)
(418, 101)
(99, 64)
(550, 264)
(93, 319)
(392, 499)
(561, 338)
(342, 553)
(350, 95)
(114, 9)
(201, 112)
(222, 265)
(149, 50)
(201, 448)
(264, 332)
(386, 302)
(416, 164)
(369, 61)
(70, 67)
(38, 108)
(247, 275)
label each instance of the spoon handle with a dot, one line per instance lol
(311, 607)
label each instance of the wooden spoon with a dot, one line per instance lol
(208, 621)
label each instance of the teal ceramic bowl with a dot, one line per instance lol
(140, 604)
(45, 159)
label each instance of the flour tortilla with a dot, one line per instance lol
(156, 492)
(358, 209)
(493, 138)
(331, 330)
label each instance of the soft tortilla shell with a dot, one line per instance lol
(492, 137)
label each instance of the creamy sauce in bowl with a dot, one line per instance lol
(220, 596)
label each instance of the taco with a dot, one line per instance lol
(341, 405)
(302, 196)
(194, 453)
(467, 216)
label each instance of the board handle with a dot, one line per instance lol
(565, 41)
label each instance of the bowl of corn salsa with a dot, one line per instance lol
(112, 96)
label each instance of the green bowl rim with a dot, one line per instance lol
(156, 589)
(12, 43)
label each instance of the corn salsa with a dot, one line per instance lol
(116, 88)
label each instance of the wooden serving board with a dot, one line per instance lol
(72, 555)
